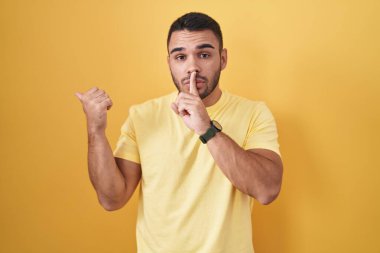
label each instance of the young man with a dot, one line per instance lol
(202, 153)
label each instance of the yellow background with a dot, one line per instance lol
(315, 63)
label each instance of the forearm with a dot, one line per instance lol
(249, 172)
(105, 176)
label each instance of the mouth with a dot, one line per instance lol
(199, 84)
(200, 81)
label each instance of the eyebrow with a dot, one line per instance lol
(206, 45)
(177, 49)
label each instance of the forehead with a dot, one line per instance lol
(190, 39)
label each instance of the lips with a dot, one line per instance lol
(197, 81)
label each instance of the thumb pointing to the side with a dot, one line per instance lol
(79, 95)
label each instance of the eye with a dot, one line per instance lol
(204, 55)
(180, 57)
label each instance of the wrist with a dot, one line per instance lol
(96, 137)
(203, 129)
(214, 128)
(92, 130)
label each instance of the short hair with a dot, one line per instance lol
(196, 21)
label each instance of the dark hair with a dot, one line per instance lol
(196, 21)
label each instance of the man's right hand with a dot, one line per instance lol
(95, 104)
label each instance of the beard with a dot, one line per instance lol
(210, 87)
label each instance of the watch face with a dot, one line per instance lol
(217, 125)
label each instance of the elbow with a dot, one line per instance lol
(110, 205)
(269, 193)
(110, 208)
(266, 200)
(268, 197)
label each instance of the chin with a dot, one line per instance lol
(204, 95)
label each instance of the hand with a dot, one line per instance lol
(95, 104)
(191, 108)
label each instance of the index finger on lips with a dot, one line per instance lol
(193, 84)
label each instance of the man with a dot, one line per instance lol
(202, 153)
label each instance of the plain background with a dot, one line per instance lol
(315, 63)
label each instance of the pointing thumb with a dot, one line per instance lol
(79, 95)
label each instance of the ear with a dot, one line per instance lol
(223, 58)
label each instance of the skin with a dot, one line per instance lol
(113, 179)
(256, 172)
(195, 64)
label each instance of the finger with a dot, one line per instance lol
(79, 95)
(107, 103)
(109, 107)
(187, 96)
(193, 84)
(181, 108)
(174, 108)
(182, 102)
(97, 94)
(101, 98)
(92, 90)
(186, 107)
(183, 113)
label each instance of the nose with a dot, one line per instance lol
(193, 66)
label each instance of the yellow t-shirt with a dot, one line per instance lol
(186, 203)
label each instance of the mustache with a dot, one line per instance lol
(196, 77)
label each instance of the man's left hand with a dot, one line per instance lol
(191, 108)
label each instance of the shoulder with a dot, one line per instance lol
(153, 106)
(243, 103)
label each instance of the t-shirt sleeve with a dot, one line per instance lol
(262, 132)
(126, 146)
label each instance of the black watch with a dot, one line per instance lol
(211, 132)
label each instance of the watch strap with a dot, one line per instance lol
(211, 132)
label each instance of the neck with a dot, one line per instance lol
(213, 97)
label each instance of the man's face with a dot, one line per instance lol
(198, 51)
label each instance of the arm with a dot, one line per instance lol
(256, 172)
(113, 180)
